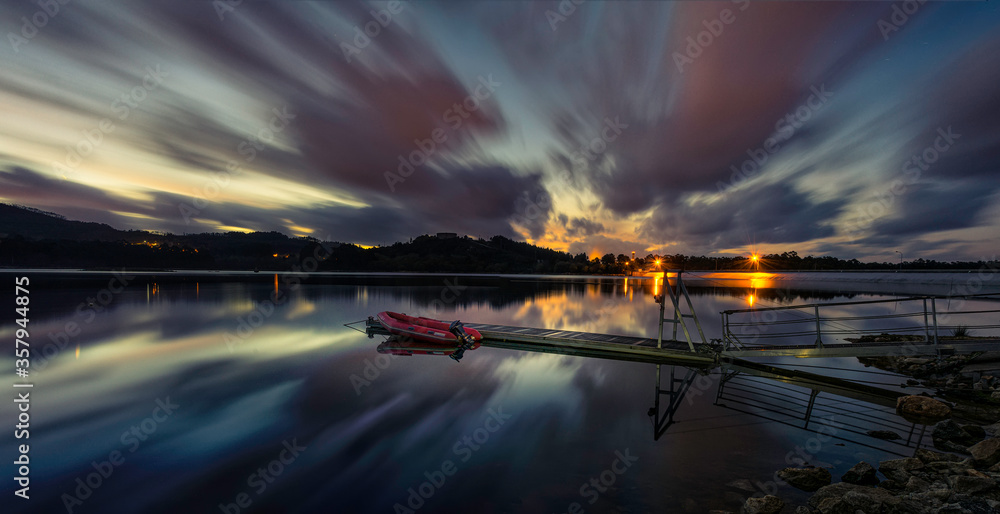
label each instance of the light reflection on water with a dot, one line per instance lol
(247, 375)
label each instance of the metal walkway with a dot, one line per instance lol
(585, 344)
(805, 331)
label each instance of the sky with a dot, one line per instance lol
(852, 129)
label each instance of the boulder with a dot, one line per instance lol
(971, 485)
(900, 469)
(806, 479)
(927, 456)
(743, 485)
(948, 446)
(849, 498)
(986, 453)
(950, 431)
(916, 485)
(888, 435)
(862, 473)
(923, 407)
(766, 505)
(976, 432)
(947, 468)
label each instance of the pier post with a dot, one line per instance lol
(659, 338)
(927, 326)
(725, 331)
(934, 315)
(819, 340)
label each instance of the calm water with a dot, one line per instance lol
(201, 395)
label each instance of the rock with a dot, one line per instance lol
(995, 395)
(970, 485)
(766, 505)
(888, 435)
(849, 498)
(975, 473)
(734, 497)
(916, 485)
(915, 504)
(976, 432)
(994, 429)
(900, 469)
(973, 504)
(947, 468)
(802, 509)
(927, 456)
(923, 407)
(806, 479)
(862, 473)
(892, 485)
(950, 431)
(986, 453)
(743, 485)
(949, 446)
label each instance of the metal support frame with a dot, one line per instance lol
(663, 419)
(678, 314)
(934, 314)
(927, 326)
(819, 337)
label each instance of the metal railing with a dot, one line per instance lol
(813, 324)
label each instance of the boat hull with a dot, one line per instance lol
(425, 330)
(395, 346)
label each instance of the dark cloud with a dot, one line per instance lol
(600, 94)
(935, 207)
(580, 226)
(762, 214)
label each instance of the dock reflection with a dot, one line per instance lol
(837, 409)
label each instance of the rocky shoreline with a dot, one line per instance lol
(960, 476)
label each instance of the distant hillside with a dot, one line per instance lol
(34, 238)
(37, 224)
(463, 255)
(38, 239)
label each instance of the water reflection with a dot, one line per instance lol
(248, 374)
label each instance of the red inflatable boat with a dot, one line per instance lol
(429, 330)
(396, 346)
